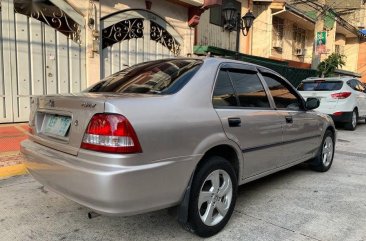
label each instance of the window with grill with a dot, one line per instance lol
(277, 33)
(299, 39)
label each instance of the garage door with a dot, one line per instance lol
(42, 51)
(134, 36)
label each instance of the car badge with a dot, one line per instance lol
(51, 103)
(88, 105)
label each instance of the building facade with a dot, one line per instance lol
(286, 31)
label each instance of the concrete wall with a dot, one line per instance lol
(340, 39)
(351, 50)
(361, 68)
(213, 35)
(262, 31)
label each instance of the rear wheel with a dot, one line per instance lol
(323, 161)
(214, 191)
(352, 124)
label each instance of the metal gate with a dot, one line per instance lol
(134, 36)
(42, 51)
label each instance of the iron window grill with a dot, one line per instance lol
(160, 35)
(277, 33)
(134, 28)
(51, 15)
(123, 30)
(299, 39)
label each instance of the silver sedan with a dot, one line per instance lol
(178, 132)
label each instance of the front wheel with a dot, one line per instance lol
(213, 197)
(324, 159)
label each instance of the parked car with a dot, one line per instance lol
(343, 98)
(174, 132)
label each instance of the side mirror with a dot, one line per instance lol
(312, 103)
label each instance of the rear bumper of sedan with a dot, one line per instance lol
(109, 189)
(341, 117)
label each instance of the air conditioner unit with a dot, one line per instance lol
(299, 52)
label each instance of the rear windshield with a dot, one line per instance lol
(157, 77)
(320, 86)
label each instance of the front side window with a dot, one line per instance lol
(224, 94)
(250, 91)
(157, 77)
(282, 95)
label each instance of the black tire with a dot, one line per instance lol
(318, 164)
(195, 223)
(351, 125)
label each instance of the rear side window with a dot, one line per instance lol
(282, 95)
(320, 86)
(249, 89)
(224, 94)
(356, 85)
(157, 77)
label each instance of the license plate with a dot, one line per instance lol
(56, 125)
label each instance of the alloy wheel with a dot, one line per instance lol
(354, 119)
(215, 197)
(328, 151)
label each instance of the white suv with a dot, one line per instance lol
(343, 98)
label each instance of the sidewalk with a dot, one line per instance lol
(10, 159)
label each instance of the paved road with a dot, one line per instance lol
(296, 204)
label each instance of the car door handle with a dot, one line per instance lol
(289, 119)
(234, 122)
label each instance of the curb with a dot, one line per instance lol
(14, 170)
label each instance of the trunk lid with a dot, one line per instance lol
(59, 121)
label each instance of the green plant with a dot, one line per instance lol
(327, 67)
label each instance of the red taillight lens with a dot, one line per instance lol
(338, 113)
(341, 95)
(111, 133)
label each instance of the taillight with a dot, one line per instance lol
(341, 95)
(338, 113)
(111, 133)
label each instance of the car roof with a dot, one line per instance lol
(217, 59)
